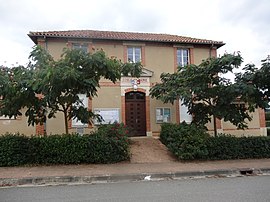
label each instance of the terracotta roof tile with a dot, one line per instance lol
(129, 36)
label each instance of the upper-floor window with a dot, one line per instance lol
(80, 46)
(182, 57)
(134, 54)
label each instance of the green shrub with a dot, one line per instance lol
(186, 141)
(229, 147)
(13, 150)
(109, 144)
(223, 147)
(267, 116)
(168, 132)
(189, 142)
(58, 149)
(115, 130)
(107, 150)
(117, 144)
(256, 147)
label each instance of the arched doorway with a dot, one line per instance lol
(135, 113)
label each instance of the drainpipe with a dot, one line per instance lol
(214, 117)
(45, 122)
(46, 44)
(210, 50)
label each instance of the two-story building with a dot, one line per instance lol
(128, 100)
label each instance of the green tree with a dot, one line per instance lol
(263, 78)
(255, 84)
(16, 93)
(49, 86)
(205, 91)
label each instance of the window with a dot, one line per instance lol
(182, 57)
(134, 54)
(239, 105)
(109, 115)
(79, 46)
(84, 100)
(7, 118)
(163, 115)
(184, 115)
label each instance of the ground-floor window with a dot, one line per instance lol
(163, 115)
(184, 115)
(7, 118)
(84, 103)
(109, 115)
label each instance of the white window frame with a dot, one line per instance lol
(161, 117)
(7, 118)
(109, 115)
(183, 113)
(180, 56)
(80, 46)
(134, 48)
(76, 123)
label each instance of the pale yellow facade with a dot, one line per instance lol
(157, 58)
(19, 125)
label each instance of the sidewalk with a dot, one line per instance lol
(65, 174)
(129, 171)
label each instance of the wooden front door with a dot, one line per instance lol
(135, 113)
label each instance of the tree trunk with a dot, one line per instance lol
(215, 126)
(66, 121)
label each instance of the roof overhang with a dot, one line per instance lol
(122, 36)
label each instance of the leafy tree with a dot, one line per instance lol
(263, 78)
(205, 91)
(16, 93)
(256, 83)
(49, 86)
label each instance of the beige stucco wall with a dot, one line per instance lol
(254, 123)
(252, 130)
(155, 127)
(111, 50)
(246, 132)
(108, 97)
(55, 48)
(159, 59)
(14, 126)
(200, 54)
(56, 125)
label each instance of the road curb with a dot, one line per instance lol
(63, 180)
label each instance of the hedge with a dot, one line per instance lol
(185, 141)
(267, 116)
(230, 147)
(107, 145)
(188, 142)
(13, 150)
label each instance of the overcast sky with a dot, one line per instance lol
(244, 25)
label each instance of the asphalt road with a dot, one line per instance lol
(253, 189)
